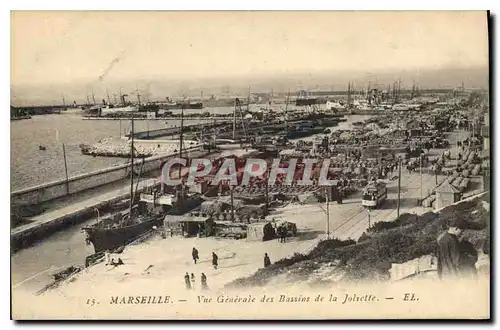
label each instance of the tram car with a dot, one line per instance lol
(374, 194)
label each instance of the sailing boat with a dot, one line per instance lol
(124, 228)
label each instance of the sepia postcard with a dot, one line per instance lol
(250, 165)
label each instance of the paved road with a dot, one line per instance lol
(350, 219)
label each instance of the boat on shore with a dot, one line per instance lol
(124, 228)
(60, 277)
(20, 117)
(107, 239)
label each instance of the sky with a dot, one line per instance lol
(100, 48)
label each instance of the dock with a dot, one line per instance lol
(83, 208)
(51, 221)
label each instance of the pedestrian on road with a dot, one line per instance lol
(215, 260)
(192, 280)
(195, 255)
(283, 234)
(267, 261)
(187, 281)
(204, 285)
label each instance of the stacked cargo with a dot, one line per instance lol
(463, 184)
(429, 201)
(476, 169)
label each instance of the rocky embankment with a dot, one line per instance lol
(115, 147)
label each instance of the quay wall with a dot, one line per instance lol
(186, 118)
(157, 133)
(53, 190)
(23, 238)
(168, 131)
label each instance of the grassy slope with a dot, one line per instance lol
(404, 239)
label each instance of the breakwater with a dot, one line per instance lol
(186, 118)
(47, 224)
(169, 131)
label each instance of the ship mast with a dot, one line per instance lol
(286, 113)
(399, 89)
(348, 95)
(215, 134)
(234, 121)
(394, 100)
(138, 95)
(107, 94)
(248, 101)
(181, 139)
(243, 126)
(131, 170)
(368, 93)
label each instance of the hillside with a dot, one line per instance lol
(407, 238)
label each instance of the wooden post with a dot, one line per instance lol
(421, 192)
(232, 201)
(267, 190)
(66, 169)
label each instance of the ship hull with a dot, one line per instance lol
(304, 102)
(178, 106)
(109, 239)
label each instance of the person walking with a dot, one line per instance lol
(204, 285)
(194, 253)
(187, 281)
(215, 260)
(267, 261)
(192, 280)
(284, 233)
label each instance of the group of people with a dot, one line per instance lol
(282, 233)
(196, 257)
(190, 281)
